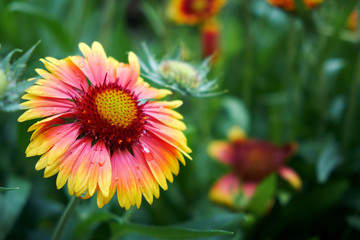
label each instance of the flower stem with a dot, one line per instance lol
(248, 75)
(290, 83)
(325, 49)
(65, 218)
(352, 105)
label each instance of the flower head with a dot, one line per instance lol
(289, 5)
(100, 132)
(251, 161)
(180, 76)
(193, 11)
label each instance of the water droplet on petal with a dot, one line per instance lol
(146, 150)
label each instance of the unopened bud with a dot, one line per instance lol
(3, 83)
(180, 72)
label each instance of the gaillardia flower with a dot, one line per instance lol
(103, 129)
(289, 5)
(251, 161)
(193, 11)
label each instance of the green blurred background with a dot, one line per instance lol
(289, 76)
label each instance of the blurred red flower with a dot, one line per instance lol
(251, 161)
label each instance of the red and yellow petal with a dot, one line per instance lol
(64, 72)
(232, 192)
(165, 108)
(169, 118)
(130, 179)
(171, 136)
(95, 64)
(94, 171)
(48, 137)
(225, 190)
(50, 158)
(129, 74)
(291, 176)
(162, 162)
(143, 91)
(70, 162)
(222, 151)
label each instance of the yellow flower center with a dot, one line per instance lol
(116, 107)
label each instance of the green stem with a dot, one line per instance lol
(275, 113)
(128, 214)
(325, 49)
(323, 101)
(290, 85)
(107, 24)
(65, 218)
(352, 104)
(248, 54)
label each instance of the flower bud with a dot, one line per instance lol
(180, 72)
(3, 83)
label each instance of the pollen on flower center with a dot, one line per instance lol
(117, 107)
(112, 114)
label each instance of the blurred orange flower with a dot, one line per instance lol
(352, 22)
(251, 161)
(289, 5)
(193, 11)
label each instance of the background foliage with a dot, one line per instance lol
(289, 76)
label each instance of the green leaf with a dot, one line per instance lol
(166, 232)
(2, 189)
(53, 25)
(337, 109)
(20, 87)
(150, 59)
(334, 66)
(12, 203)
(314, 201)
(9, 107)
(354, 221)
(263, 195)
(329, 159)
(86, 226)
(154, 19)
(122, 227)
(20, 63)
(6, 61)
(217, 221)
(236, 114)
